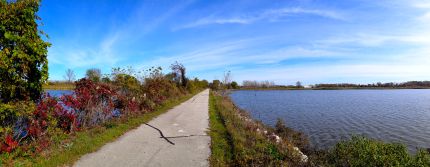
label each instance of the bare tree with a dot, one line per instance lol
(70, 75)
(227, 78)
(179, 72)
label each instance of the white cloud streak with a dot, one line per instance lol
(272, 15)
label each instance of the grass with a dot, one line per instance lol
(91, 140)
(221, 146)
(239, 141)
(58, 86)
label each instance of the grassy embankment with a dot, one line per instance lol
(81, 143)
(237, 142)
(58, 86)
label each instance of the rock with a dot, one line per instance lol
(303, 157)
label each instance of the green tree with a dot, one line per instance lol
(216, 84)
(93, 74)
(23, 52)
(234, 85)
(299, 84)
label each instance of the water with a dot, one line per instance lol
(328, 116)
(58, 93)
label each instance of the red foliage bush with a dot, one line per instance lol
(41, 116)
(9, 144)
(95, 102)
(92, 103)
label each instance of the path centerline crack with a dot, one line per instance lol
(161, 134)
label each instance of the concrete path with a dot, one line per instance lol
(176, 138)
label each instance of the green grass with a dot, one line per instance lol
(58, 86)
(237, 142)
(221, 146)
(361, 151)
(91, 140)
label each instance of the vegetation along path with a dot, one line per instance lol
(176, 138)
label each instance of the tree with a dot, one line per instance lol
(23, 53)
(298, 84)
(93, 74)
(179, 72)
(215, 85)
(234, 85)
(227, 79)
(70, 76)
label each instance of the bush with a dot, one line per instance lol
(360, 151)
(95, 102)
(27, 128)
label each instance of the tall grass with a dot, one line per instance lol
(221, 143)
(245, 141)
(58, 86)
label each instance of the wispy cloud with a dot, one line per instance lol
(375, 40)
(272, 15)
(229, 54)
(105, 52)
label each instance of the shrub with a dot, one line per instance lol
(95, 102)
(13, 118)
(360, 151)
(9, 144)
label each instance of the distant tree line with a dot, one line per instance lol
(258, 84)
(409, 84)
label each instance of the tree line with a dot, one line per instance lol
(409, 84)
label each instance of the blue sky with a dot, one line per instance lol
(314, 41)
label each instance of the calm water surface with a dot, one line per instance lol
(58, 93)
(328, 116)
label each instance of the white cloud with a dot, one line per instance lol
(372, 39)
(424, 5)
(425, 17)
(270, 15)
(231, 54)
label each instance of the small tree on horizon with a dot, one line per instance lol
(93, 74)
(215, 85)
(70, 76)
(299, 84)
(227, 79)
(234, 85)
(179, 72)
